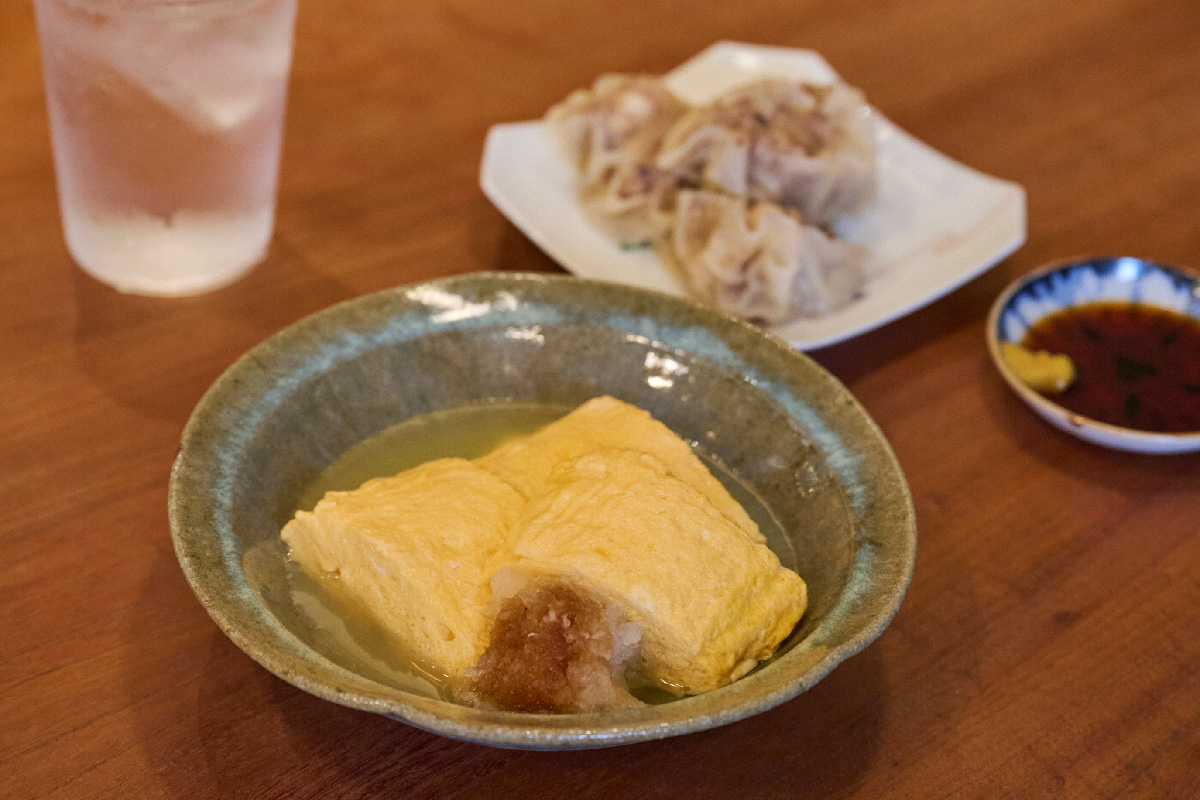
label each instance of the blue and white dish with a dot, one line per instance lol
(1073, 283)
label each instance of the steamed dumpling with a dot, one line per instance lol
(803, 146)
(611, 134)
(759, 261)
(631, 203)
(620, 115)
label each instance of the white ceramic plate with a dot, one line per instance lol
(935, 225)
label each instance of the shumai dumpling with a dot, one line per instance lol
(803, 146)
(610, 134)
(759, 261)
(632, 203)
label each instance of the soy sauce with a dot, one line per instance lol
(1137, 366)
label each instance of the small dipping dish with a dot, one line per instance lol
(1162, 300)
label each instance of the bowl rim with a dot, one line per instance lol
(1102, 433)
(779, 681)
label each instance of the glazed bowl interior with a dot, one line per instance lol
(783, 426)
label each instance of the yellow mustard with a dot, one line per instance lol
(1049, 373)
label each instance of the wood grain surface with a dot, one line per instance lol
(1049, 644)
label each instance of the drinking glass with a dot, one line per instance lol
(167, 122)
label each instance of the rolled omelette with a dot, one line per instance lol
(606, 499)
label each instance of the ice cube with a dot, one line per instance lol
(214, 77)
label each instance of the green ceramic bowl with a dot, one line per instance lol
(786, 427)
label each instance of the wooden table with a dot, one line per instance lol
(1049, 644)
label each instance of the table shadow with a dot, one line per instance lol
(219, 725)
(225, 727)
(136, 349)
(1126, 473)
(818, 745)
(498, 245)
(868, 352)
